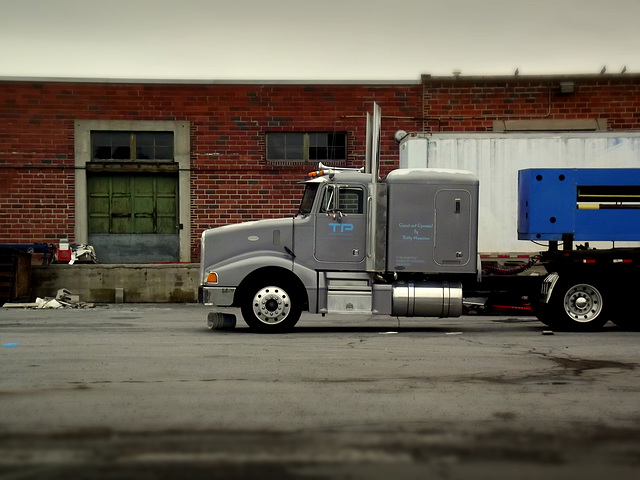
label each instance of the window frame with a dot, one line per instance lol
(334, 196)
(134, 144)
(306, 147)
(182, 161)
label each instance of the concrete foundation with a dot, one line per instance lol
(134, 283)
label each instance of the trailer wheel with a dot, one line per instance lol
(270, 308)
(577, 305)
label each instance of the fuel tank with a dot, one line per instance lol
(427, 299)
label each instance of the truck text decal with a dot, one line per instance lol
(341, 227)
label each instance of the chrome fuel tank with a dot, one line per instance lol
(427, 299)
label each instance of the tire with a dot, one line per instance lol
(539, 309)
(271, 308)
(626, 323)
(577, 306)
(622, 313)
(543, 313)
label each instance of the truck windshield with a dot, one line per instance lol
(309, 196)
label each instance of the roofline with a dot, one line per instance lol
(426, 78)
(189, 81)
(526, 134)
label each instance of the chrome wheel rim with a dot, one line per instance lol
(583, 303)
(271, 305)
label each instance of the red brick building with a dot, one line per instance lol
(139, 169)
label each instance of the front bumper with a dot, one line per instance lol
(218, 296)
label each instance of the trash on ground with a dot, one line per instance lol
(221, 321)
(64, 299)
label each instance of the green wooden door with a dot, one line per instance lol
(134, 218)
(133, 204)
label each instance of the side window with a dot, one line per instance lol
(348, 200)
(351, 200)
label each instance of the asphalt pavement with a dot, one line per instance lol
(147, 391)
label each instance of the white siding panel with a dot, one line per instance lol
(496, 159)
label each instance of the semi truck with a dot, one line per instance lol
(407, 246)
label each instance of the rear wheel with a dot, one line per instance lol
(577, 305)
(622, 313)
(622, 320)
(271, 308)
(541, 310)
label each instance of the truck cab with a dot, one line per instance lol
(269, 268)
(356, 245)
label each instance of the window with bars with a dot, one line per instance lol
(131, 146)
(296, 147)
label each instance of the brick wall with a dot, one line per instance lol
(230, 178)
(472, 103)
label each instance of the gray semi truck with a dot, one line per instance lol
(407, 246)
(402, 247)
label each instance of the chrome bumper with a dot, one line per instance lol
(218, 296)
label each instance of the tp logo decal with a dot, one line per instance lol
(341, 227)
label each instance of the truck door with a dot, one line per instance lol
(341, 225)
(452, 242)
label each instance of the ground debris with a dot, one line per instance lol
(63, 299)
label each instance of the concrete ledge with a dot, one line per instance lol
(140, 283)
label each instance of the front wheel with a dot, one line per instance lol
(271, 308)
(578, 305)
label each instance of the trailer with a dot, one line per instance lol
(497, 157)
(585, 286)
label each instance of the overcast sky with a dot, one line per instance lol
(315, 40)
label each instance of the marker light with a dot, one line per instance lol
(212, 277)
(320, 173)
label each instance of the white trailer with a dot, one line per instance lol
(495, 158)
